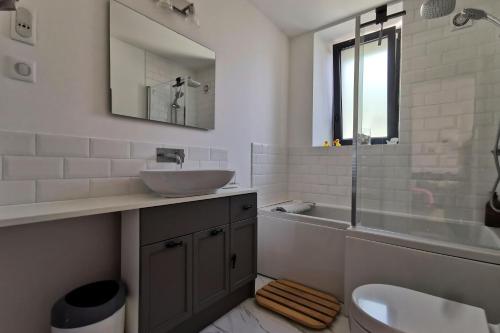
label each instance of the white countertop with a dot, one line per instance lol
(48, 211)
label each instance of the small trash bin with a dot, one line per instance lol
(98, 307)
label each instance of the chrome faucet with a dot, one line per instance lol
(169, 155)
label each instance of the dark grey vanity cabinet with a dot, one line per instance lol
(210, 266)
(197, 261)
(243, 252)
(166, 283)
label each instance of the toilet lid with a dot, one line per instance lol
(390, 309)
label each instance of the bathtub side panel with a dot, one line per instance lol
(303, 252)
(462, 280)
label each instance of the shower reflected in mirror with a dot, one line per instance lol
(157, 74)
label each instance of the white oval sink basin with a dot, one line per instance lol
(186, 183)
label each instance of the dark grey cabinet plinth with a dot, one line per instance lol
(197, 260)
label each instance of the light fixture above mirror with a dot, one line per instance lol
(181, 7)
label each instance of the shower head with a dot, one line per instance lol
(192, 83)
(431, 9)
(475, 14)
(468, 14)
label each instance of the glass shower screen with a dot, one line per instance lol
(426, 122)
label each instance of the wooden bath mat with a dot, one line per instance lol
(304, 305)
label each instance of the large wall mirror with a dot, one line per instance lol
(158, 74)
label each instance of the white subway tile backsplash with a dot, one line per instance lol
(199, 154)
(30, 168)
(17, 143)
(109, 186)
(61, 189)
(209, 164)
(440, 122)
(87, 168)
(144, 150)
(190, 165)
(17, 192)
(218, 154)
(152, 165)
(136, 185)
(257, 148)
(127, 168)
(70, 167)
(445, 96)
(58, 145)
(106, 148)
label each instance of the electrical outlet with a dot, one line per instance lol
(23, 25)
(19, 69)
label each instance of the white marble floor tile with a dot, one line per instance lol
(248, 317)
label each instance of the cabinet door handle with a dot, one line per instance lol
(215, 232)
(233, 261)
(247, 207)
(173, 244)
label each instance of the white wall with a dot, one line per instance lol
(322, 92)
(300, 95)
(71, 95)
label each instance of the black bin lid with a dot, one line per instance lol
(88, 304)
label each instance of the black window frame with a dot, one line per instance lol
(393, 36)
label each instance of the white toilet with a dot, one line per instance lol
(378, 308)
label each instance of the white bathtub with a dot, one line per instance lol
(309, 249)
(457, 261)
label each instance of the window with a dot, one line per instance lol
(379, 93)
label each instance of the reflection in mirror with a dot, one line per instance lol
(158, 74)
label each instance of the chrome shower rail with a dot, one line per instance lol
(496, 156)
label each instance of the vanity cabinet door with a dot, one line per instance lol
(166, 284)
(243, 259)
(211, 266)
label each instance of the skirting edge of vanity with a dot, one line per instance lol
(13, 215)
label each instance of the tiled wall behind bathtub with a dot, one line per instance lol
(270, 173)
(449, 115)
(387, 181)
(44, 167)
(320, 174)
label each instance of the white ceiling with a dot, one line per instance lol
(295, 17)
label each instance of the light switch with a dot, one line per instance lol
(23, 25)
(19, 69)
